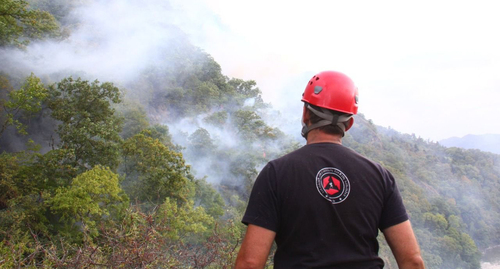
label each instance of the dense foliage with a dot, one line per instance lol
(156, 172)
(19, 24)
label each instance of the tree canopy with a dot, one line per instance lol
(19, 24)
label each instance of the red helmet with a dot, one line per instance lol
(332, 90)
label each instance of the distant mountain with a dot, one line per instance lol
(487, 142)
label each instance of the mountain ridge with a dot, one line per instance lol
(485, 142)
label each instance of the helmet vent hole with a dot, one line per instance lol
(317, 78)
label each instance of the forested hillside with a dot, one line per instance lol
(155, 171)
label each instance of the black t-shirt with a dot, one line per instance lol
(326, 203)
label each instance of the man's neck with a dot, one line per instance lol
(317, 136)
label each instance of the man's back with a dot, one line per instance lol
(326, 204)
(323, 204)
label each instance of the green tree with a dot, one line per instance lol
(207, 197)
(246, 89)
(470, 254)
(217, 118)
(161, 132)
(252, 127)
(22, 104)
(19, 24)
(93, 196)
(22, 196)
(134, 118)
(89, 126)
(200, 144)
(153, 171)
(436, 223)
(18, 175)
(8, 187)
(183, 219)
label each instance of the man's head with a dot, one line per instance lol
(331, 99)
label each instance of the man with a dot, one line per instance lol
(323, 204)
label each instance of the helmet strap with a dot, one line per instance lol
(328, 117)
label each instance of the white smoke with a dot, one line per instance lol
(110, 40)
(224, 138)
(117, 40)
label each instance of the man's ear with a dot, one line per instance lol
(349, 125)
(305, 115)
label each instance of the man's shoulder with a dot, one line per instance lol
(293, 155)
(330, 150)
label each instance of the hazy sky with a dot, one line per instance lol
(426, 67)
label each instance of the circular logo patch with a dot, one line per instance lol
(333, 185)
